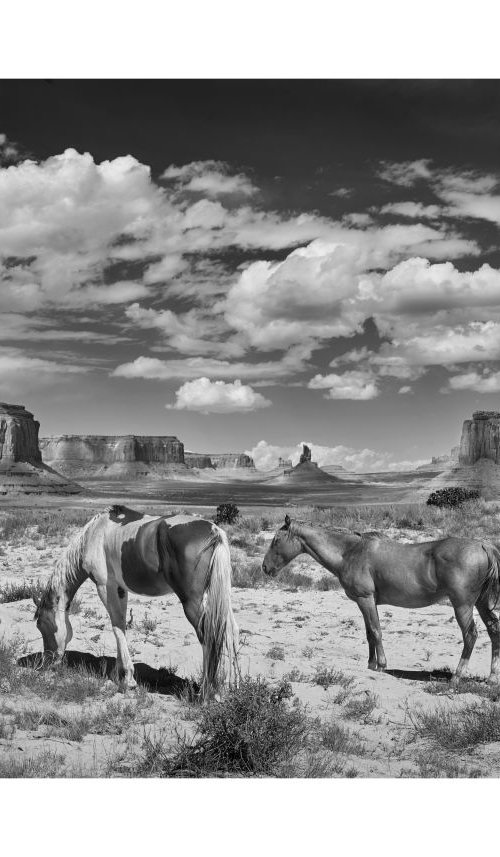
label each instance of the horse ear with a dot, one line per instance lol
(287, 521)
(37, 601)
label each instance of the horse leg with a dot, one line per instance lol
(465, 618)
(492, 624)
(115, 601)
(377, 659)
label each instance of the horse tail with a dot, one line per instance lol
(217, 627)
(490, 592)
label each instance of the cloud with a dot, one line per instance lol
(192, 367)
(218, 397)
(485, 382)
(404, 390)
(188, 332)
(20, 372)
(266, 456)
(406, 173)
(10, 152)
(360, 385)
(413, 210)
(212, 178)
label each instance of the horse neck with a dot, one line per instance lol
(65, 581)
(327, 548)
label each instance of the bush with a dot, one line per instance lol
(252, 731)
(226, 513)
(476, 723)
(452, 497)
(22, 590)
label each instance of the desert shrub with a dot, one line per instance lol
(467, 685)
(294, 579)
(360, 707)
(226, 513)
(252, 731)
(476, 723)
(440, 766)
(452, 497)
(248, 575)
(327, 583)
(276, 653)
(249, 524)
(326, 677)
(19, 591)
(149, 624)
(337, 738)
(46, 764)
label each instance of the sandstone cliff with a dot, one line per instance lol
(199, 460)
(231, 460)
(114, 456)
(18, 434)
(21, 468)
(480, 438)
(219, 460)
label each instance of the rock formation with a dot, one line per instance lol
(480, 438)
(198, 460)
(21, 468)
(306, 454)
(478, 458)
(219, 460)
(114, 456)
(231, 460)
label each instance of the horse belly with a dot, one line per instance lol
(407, 589)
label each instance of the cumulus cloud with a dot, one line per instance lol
(218, 397)
(480, 382)
(353, 384)
(266, 457)
(212, 178)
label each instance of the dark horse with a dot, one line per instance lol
(376, 570)
(120, 551)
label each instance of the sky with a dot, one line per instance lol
(253, 264)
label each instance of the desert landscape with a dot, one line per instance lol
(299, 633)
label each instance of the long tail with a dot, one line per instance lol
(491, 586)
(217, 626)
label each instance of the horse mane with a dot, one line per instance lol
(68, 568)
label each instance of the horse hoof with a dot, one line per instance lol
(494, 679)
(372, 667)
(454, 682)
(382, 669)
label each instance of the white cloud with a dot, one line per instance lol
(413, 210)
(192, 332)
(485, 382)
(192, 367)
(21, 373)
(218, 397)
(212, 178)
(404, 390)
(355, 384)
(406, 173)
(266, 456)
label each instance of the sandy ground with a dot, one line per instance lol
(291, 633)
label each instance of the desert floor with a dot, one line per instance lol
(288, 628)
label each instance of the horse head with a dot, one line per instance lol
(284, 547)
(52, 621)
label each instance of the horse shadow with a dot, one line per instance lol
(162, 681)
(442, 675)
